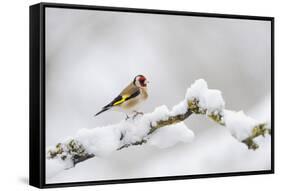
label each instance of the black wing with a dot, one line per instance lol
(117, 101)
(121, 99)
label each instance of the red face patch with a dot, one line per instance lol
(142, 79)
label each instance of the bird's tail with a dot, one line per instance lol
(103, 110)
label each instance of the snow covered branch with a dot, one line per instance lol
(245, 129)
(102, 141)
(162, 128)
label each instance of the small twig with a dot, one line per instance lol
(258, 130)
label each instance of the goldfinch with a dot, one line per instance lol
(130, 98)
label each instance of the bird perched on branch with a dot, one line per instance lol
(130, 98)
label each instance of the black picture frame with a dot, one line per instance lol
(37, 94)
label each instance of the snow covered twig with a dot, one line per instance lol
(128, 132)
(148, 129)
(209, 102)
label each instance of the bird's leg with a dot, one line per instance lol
(136, 114)
(127, 117)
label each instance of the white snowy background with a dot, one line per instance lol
(92, 55)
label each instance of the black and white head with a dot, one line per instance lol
(140, 81)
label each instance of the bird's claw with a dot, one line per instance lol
(137, 113)
(127, 117)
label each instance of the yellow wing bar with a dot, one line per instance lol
(124, 97)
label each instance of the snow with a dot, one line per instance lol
(212, 100)
(103, 141)
(171, 135)
(179, 108)
(212, 151)
(134, 131)
(209, 99)
(197, 89)
(239, 124)
(167, 146)
(100, 141)
(57, 165)
(160, 113)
